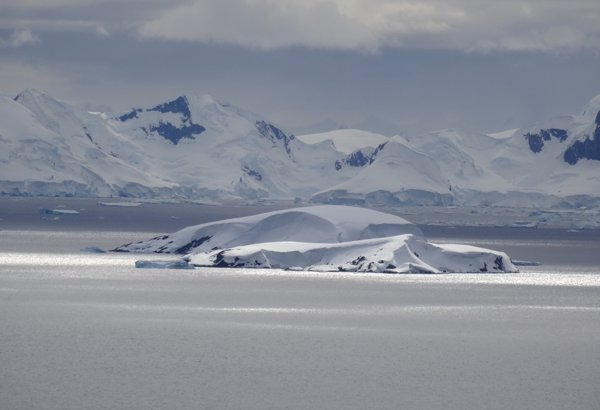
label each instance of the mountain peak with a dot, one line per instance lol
(179, 105)
(30, 95)
(37, 100)
(592, 108)
(191, 99)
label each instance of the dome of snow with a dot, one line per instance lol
(315, 224)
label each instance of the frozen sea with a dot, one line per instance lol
(89, 331)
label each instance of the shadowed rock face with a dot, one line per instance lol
(165, 129)
(586, 149)
(177, 106)
(252, 173)
(129, 115)
(536, 141)
(170, 132)
(274, 134)
(358, 158)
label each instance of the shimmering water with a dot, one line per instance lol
(86, 330)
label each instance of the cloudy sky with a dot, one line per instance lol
(404, 67)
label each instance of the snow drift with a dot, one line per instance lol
(395, 254)
(322, 238)
(321, 224)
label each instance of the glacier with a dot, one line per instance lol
(322, 238)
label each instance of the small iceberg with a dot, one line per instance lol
(47, 211)
(175, 264)
(120, 204)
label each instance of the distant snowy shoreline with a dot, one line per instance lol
(169, 215)
(195, 147)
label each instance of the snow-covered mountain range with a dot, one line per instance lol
(557, 163)
(197, 147)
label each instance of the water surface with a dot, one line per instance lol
(81, 330)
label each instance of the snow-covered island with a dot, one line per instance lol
(322, 238)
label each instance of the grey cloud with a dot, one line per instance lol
(56, 25)
(18, 38)
(263, 24)
(540, 25)
(372, 25)
(422, 76)
(96, 16)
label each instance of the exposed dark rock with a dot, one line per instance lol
(177, 106)
(358, 260)
(174, 134)
(129, 115)
(220, 260)
(165, 129)
(358, 158)
(252, 173)
(274, 134)
(196, 242)
(536, 141)
(557, 133)
(587, 149)
(499, 264)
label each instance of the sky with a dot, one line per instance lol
(394, 67)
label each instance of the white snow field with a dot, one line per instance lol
(195, 147)
(396, 254)
(346, 140)
(322, 238)
(320, 223)
(90, 331)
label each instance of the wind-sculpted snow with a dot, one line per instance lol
(321, 224)
(396, 254)
(322, 238)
